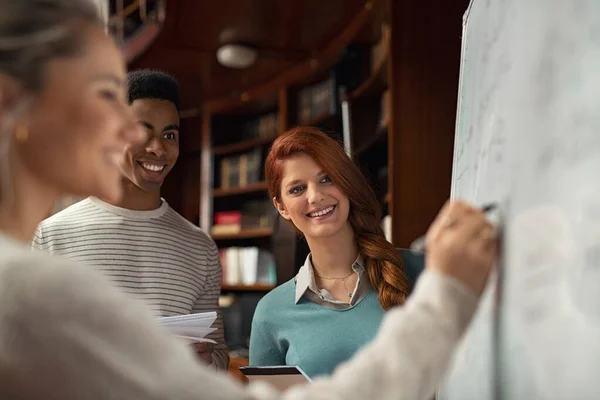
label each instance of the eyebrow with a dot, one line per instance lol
(109, 77)
(171, 127)
(147, 124)
(297, 181)
(293, 183)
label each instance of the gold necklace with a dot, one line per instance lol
(343, 279)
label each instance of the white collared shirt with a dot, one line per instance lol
(306, 286)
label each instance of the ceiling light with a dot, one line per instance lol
(236, 56)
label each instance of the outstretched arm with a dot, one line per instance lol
(69, 331)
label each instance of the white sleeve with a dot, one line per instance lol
(67, 334)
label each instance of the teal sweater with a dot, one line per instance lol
(315, 338)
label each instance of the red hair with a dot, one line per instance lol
(383, 263)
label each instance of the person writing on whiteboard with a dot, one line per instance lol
(352, 272)
(67, 333)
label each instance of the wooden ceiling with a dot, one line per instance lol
(285, 32)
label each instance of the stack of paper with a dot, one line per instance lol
(192, 327)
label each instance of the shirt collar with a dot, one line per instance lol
(305, 279)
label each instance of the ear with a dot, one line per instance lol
(281, 208)
(10, 91)
(13, 101)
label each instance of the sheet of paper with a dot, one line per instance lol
(194, 340)
(193, 328)
(198, 320)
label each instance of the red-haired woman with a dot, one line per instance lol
(352, 275)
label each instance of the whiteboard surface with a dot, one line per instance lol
(480, 173)
(528, 136)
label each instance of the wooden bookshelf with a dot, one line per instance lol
(320, 120)
(311, 89)
(380, 135)
(251, 188)
(420, 70)
(247, 288)
(245, 234)
(408, 161)
(239, 147)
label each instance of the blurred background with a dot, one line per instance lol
(381, 76)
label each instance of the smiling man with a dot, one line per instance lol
(141, 243)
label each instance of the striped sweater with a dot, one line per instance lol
(156, 256)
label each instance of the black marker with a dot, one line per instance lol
(418, 246)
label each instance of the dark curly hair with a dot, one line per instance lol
(152, 84)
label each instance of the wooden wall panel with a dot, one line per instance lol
(425, 45)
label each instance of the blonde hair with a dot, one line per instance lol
(33, 32)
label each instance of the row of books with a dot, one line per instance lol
(264, 127)
(247, 266)
(241, 169)
(316, 101)
(253, 214)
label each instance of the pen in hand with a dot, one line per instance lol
(418, 246)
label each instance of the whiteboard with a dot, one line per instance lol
(480, 173)
(528, 137)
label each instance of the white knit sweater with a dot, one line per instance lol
(66, 334)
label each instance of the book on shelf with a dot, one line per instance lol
(234, 172)
(250, 170)
(241, 170)
(258, 213)
(253, 214)
(225, 229)
(321, 99)
(227, 222)
(247, 266)
(228, 218)
(263, 127)
(317, 100)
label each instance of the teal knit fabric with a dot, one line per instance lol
(315, 338)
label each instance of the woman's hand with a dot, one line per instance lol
(463, 244)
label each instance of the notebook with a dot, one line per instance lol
(280, 377)
(192, 328)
